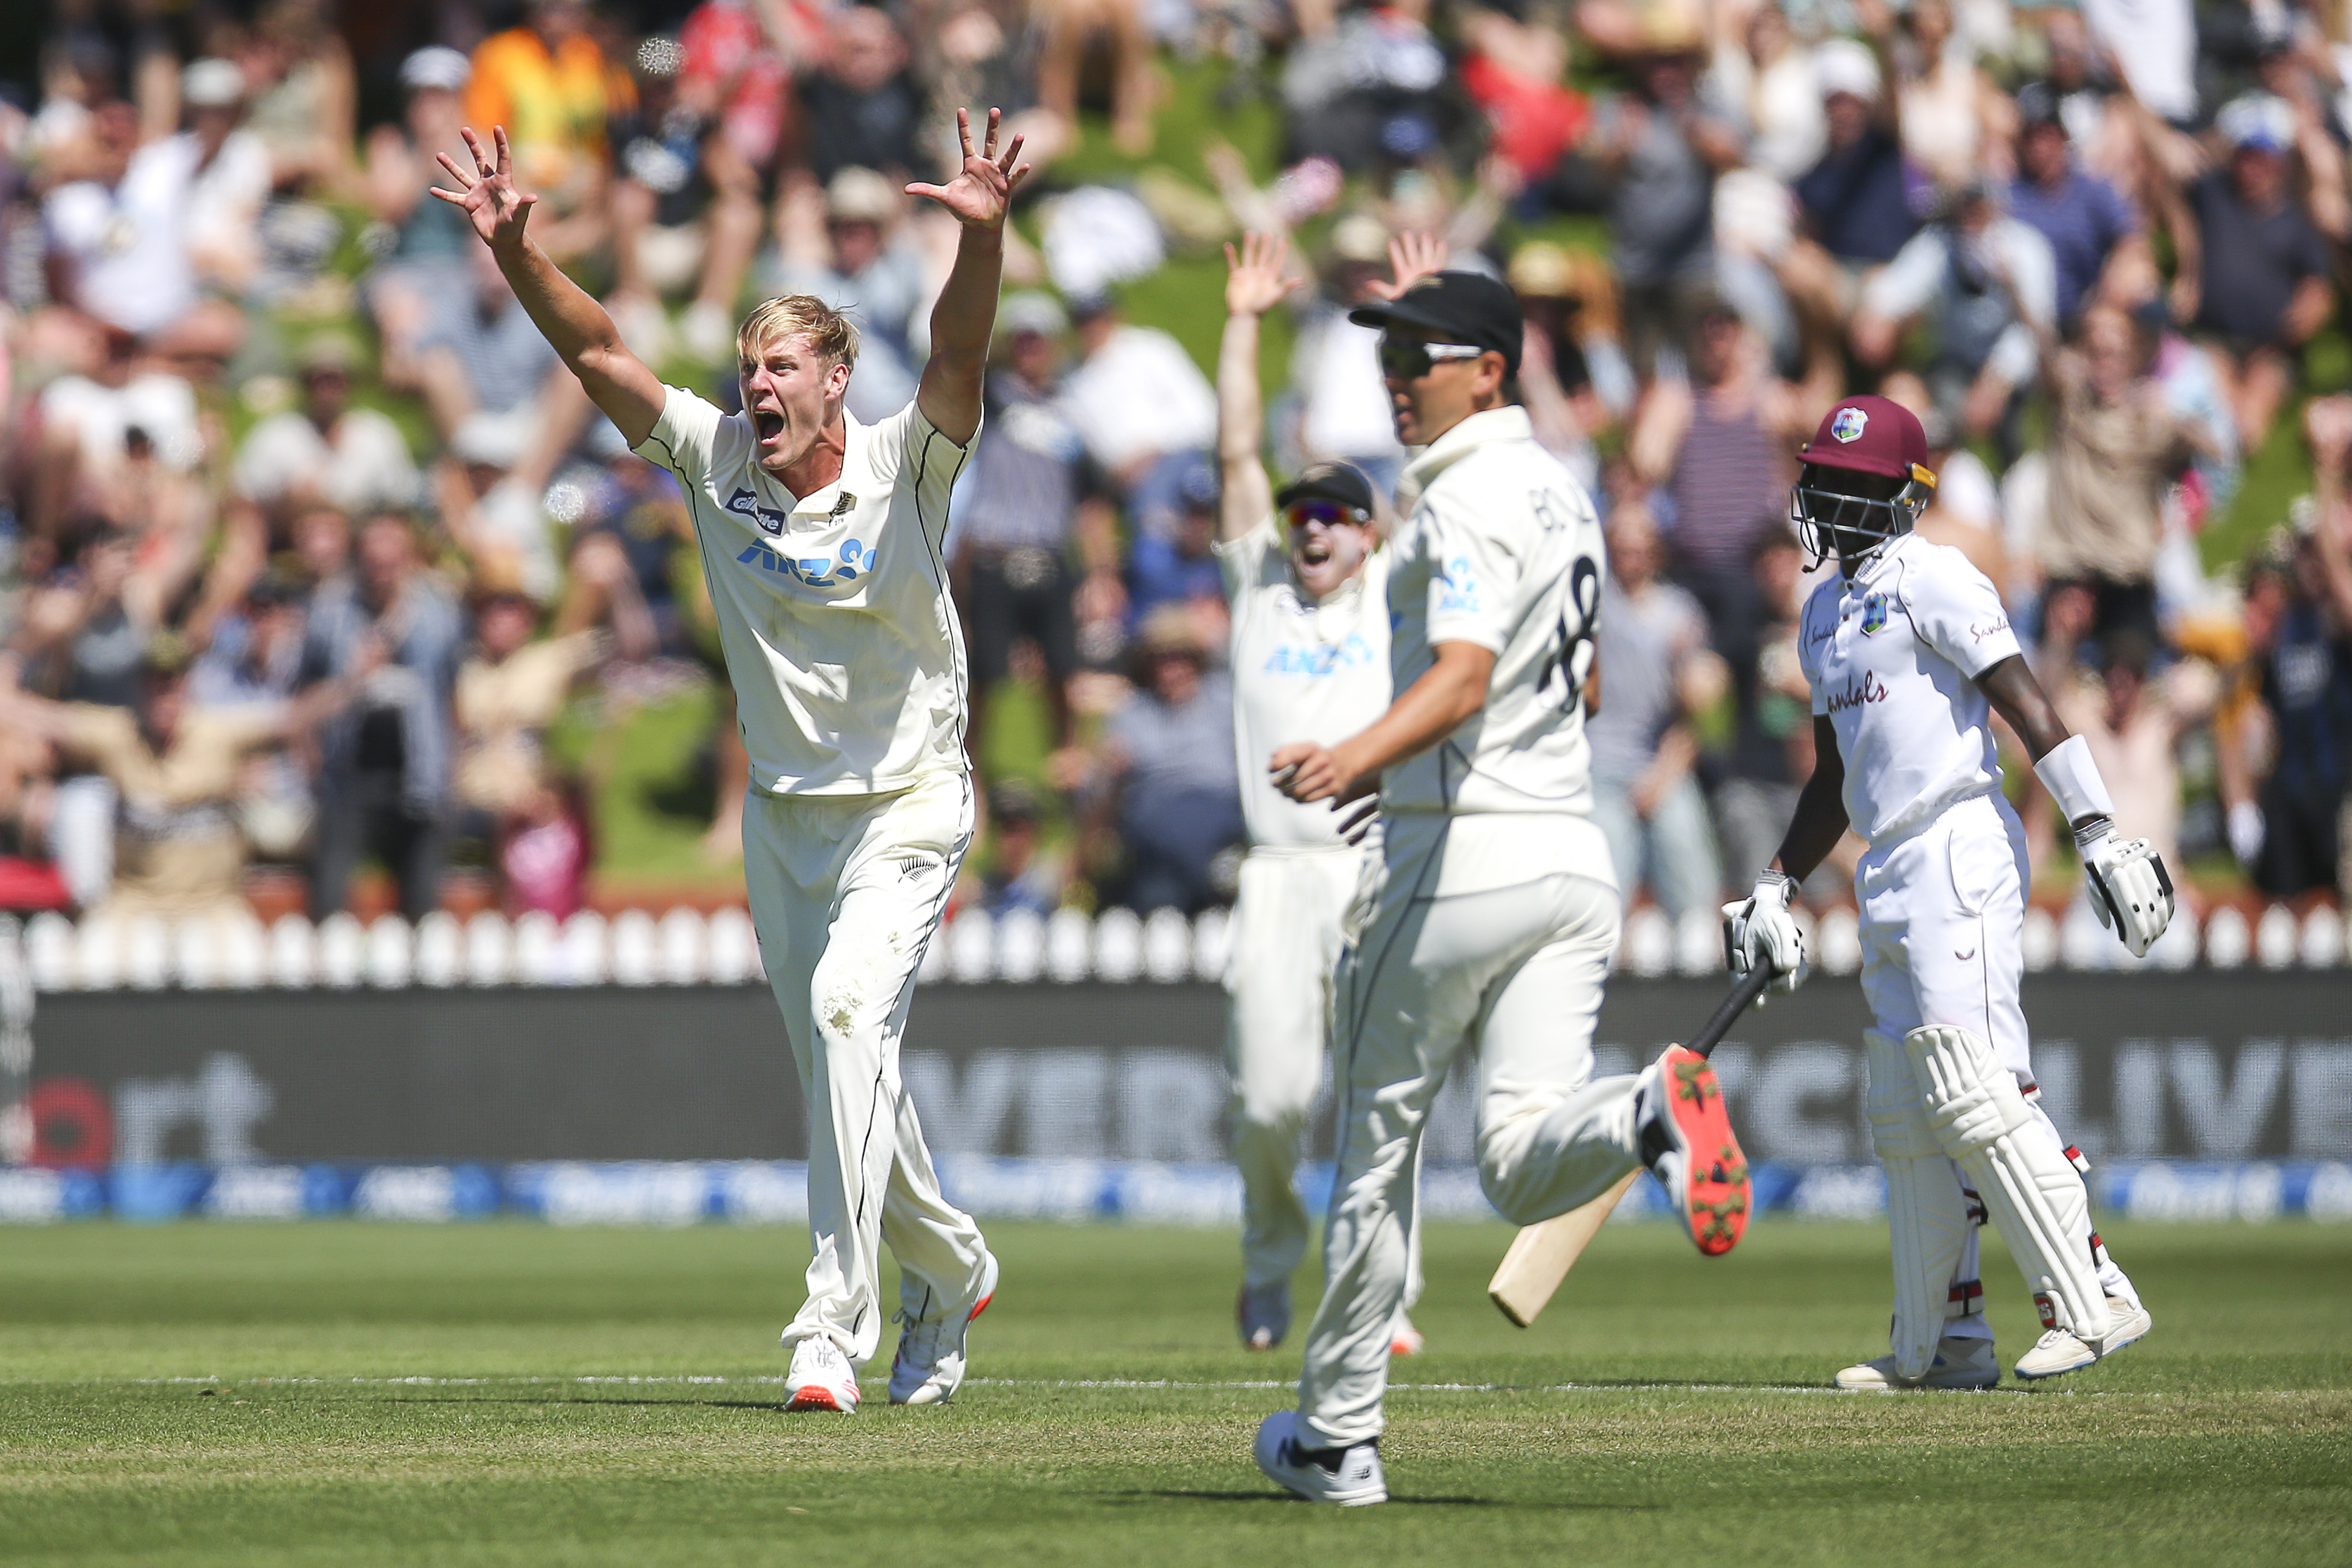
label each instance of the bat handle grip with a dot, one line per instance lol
(1743, 996)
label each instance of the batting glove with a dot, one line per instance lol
(1761, 932)
(2130, 890)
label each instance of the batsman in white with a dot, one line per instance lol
(1909, 653)
(1490, 917)
(820, 541)
(1308, 581)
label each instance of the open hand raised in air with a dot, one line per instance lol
(497, 209)
(982, 193)
(1254, 281)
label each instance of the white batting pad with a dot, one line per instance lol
(2032, 1191)
(1926, 1218)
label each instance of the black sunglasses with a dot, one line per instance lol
(1408, 359)
(1329, 514)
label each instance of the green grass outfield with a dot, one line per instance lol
(340, 1394)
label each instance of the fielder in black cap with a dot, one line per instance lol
(1333, 482)
(1435, 337)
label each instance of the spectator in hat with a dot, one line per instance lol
(2086, 224)
(117, 247)
(1032, 540)
(1659, 150)
(1173, 562)
(2254, 269)
(1572, 375)
(431, 259)
(229, 180)
(1855, 203)
(1173, 788)
(1988, 285)
(1147, 413)
(845, 243)
(328, 451)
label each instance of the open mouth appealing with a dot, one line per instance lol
(1314, 552)
(767, 424)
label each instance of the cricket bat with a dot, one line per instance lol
(1541, 1254)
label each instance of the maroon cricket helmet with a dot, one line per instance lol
(1873, 436)
(1862, 435)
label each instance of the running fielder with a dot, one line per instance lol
(820, 542)
(1308, 581)
(1908, 651)
(1492, 913)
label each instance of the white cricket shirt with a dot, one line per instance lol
(1892, 653)
(1503, 550)
(844, 652)
(1302, 671)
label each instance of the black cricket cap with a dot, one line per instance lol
(1327, 482)
(1460, 308)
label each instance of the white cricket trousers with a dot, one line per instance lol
(1493, 932)
(1288, 938)
(1943, 924)
(846, 892)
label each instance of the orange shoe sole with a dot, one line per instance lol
(814, 1398)
(1715, 1183)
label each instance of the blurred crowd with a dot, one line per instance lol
(311, 547)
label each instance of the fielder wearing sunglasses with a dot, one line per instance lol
(1408, 359)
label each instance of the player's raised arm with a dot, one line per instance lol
(572, 323)
(980, 196)
(1255, 282)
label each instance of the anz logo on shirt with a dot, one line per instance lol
(1319, 659)
(817, 572)
(1459, 593)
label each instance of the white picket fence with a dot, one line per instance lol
(686, 947)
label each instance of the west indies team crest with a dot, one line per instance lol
(1849, 424)
(1873, 615)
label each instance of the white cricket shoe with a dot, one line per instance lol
(1959, 1363)
(1261, 1312)
(2057, 1351)
(1350, 1477)
(928, 1366)
(1403, 1338)
(822, 1377)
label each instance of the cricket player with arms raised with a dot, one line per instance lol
(1491, 917)
(819, 538)
(1307, 582)
(1909, 654)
